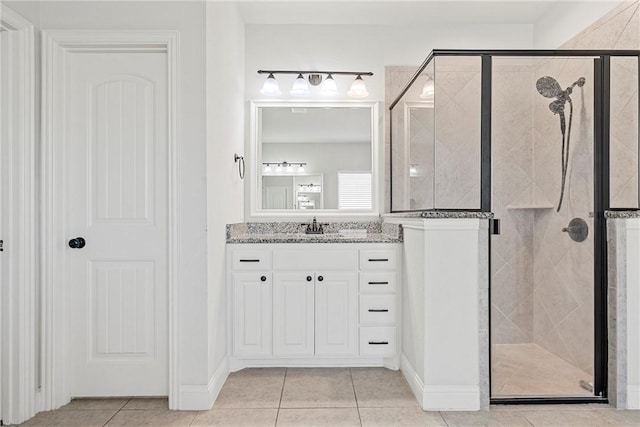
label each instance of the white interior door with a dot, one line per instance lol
(116, 181)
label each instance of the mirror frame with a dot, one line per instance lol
(253, 197)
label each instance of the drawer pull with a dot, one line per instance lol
(249, 260)
(378, 283)
(378, 259)
(378, 342)
(378, 310)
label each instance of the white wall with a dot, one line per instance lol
(189, 19)
(225, 136)
(363, 48)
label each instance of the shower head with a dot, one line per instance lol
(549, 87)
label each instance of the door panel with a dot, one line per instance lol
(293, 302)
(336, 314)
(116, 189)
(251, 314)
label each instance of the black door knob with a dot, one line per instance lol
(309, 278)
(320, 278)
(263, 278)
(77, 243)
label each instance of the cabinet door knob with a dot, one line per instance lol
(263, 278)
(309, 278)
(320, 278)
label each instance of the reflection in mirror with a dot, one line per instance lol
(314, 157)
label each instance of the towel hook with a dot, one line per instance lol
(240, 160)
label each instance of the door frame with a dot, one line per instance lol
(19, 369)
(56, 46)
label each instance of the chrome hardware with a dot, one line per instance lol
(375, 310)
(263, 278)
(249, 260)
(378, 283)
(309, 278)
(320, 278)
(378, 259)
(378, 343)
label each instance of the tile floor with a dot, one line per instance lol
(530, 370)
(321, 397)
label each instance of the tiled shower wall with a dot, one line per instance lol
(563, 290)
(512, 258)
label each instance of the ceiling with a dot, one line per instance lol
(374, 12)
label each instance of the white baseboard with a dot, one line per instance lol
(633, 397)
(200, 397)
(440, 397)
(451, 398)
(236, 364)
(412, 377)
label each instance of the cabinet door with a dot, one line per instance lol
(293, 313)
(252, 314)
(336, 313)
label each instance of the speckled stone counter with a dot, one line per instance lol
(442, 214)
(334, 232)
(622, 214)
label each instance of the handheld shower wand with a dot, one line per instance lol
(550, 88)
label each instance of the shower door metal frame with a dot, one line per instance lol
(601, 193)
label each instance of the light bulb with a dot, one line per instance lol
(270, 87)
(329, 87)
(279, 168)
(301, 168)
(290, 168)
(358, 89)
(300, 86)
(428, 90)
(267, 168)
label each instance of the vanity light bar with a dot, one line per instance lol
(284, 163)
(358, 88)
(287, 165)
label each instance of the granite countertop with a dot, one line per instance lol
(622, 214)
(312, 238)
(293, 232)
(441, 214)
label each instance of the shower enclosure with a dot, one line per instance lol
(547, 141)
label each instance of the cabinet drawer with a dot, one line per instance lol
(378, 281)
(378, 309)
(251, 259)
(315, 259)
(378, 341)
(377, 259)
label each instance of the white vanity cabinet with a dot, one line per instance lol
(320, 304)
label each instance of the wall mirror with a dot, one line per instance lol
(314, 158)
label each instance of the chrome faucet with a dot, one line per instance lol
(314, 227)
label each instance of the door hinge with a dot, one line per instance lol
(1, 249)
(494, 226)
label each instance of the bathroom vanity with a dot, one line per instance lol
(313, 300)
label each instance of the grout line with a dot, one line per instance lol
(284, 380)
(355, 396)
(118, 411)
